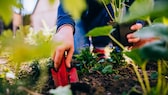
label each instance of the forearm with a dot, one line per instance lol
(63, 18)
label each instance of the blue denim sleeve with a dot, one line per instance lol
(63, 17)
(141, 22)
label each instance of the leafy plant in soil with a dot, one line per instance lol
(88, 62)
(117, 57)
(155, 50)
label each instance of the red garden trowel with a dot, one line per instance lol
(63, 75)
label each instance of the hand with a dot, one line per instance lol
(65, 37)
(137, 42)
(131, 38)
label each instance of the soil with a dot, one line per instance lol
(124, 82)
(114, 84)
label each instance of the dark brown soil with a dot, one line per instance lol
(123, 82)
(112, 84)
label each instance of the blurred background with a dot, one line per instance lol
(34, 13)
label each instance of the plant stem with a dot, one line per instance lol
(28, 91)
(107, 10)
(164, 79)
(139, 78)
(146, 79)
(120, 11)
(148, 20)
(117, 42)
(158, 87)
(165, 64)
(114, 10)
(162, 85)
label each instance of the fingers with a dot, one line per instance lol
(131, 35)
(135, 40)
(58, 55)
(136, 26)
(69, 57)
(132, 39)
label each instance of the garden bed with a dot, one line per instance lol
(115, 84)
(122, 82)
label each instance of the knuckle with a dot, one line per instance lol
(59, 49)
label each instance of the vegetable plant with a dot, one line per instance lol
(156, 50)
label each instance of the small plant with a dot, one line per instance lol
(117, 57)
(86, 60)
(89, 63)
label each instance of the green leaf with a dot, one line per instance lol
(107, 69)
(155, 50)
(160, 9)
(52, 1)
(165, 21)
(25, 52)
(154, 31)
(27, 45)
(100, 31)
(158, 20)
(6, 10)
(6, 39)
(135, 55)
(74, 7)
(140, 9)
(105, 1)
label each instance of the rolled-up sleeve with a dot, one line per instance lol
(63, 17)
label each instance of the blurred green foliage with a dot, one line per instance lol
(6, 11)
(74, 7)
(26, 45)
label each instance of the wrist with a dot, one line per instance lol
(66, 27)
